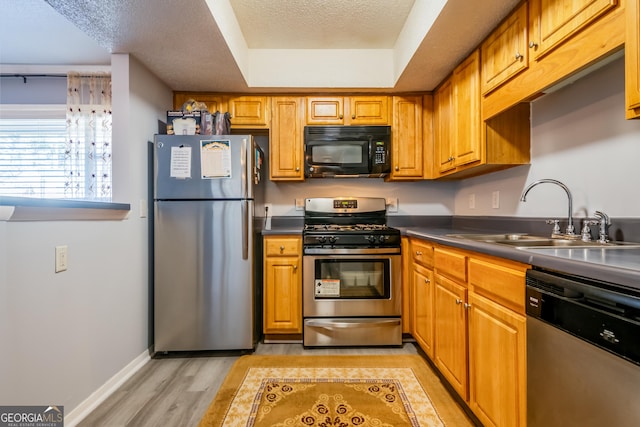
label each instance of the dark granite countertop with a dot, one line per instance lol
(617, 265)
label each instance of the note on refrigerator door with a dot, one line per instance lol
(180, 162)
(215, 158)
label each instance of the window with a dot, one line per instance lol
(38, 160)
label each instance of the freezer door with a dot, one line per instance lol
(204, 276)
(203, 167)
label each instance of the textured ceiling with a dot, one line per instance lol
(184, 44)
(328, 24)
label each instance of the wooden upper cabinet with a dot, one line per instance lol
(552, 22)
(632, 59)
(443, 120)
(505, 52)
(406, 138)
(466, 104)
(368, 110)
(457, 124)
(285, 142)
(351, 110)
(249, 111)
(325, 110)
(214, 102)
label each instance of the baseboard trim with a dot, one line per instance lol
(80, 412)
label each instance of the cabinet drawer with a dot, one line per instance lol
(422, 252)
(281, 246)
(500, 281)
(450, 263)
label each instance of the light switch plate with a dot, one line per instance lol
(61, 258)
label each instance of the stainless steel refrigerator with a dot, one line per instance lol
(205, 291)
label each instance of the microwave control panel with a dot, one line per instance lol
(380, 157)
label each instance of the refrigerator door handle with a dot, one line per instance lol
(243, 167)
(245, 230)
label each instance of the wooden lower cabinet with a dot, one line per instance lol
(282, 285)
(451, 333)
(422, 314)
(497, 363)
(468, 317)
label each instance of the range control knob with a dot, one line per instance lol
(321, 239)
(332, 239)
(370, 238)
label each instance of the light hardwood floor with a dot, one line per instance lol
(177, 391)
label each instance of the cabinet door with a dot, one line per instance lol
(249, 112)
(468, 141)
(497, 363)
(369, 110)
(423, 308)
(407, 155)
(407, 288)
(282, 285)
(443, 127)
(505, 52)
(554, 21)
(282, 295)
(632, 59)
(214, 102)
(325, 110)
(451, 333)
(285, 145)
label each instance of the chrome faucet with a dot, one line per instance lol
(570, 230)
(604, 221)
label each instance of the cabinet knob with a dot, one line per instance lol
(295, 267)
(533, 45)
(297, 169)
(397, 168)
(341, 116)
(418, 253)
(467, 306)
(518, 55)
(353, 116)
(451, 159)
(427, 281)
(281, 248)
(458, 301)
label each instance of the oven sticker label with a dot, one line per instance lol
(327, 287)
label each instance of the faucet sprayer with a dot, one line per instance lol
(570, 229)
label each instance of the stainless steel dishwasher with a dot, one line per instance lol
(583, 352)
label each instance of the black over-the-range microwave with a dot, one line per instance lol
(347, 151)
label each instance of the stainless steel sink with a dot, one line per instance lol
(523, 240)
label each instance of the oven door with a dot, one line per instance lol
(351, 285)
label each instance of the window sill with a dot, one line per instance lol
(32, 209)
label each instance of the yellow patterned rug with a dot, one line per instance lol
(328, 391)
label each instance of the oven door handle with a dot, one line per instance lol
(355, 323)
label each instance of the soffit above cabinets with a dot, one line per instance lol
(275, 45)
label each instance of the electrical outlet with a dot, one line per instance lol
(299, 204)
(472, 201)
(495, 200)
(268, 210)
(61, 258)
(392, 204)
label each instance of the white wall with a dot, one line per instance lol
(580, 137)
(414, 198)
(64, 335)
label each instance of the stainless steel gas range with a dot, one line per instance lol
(351, 286)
